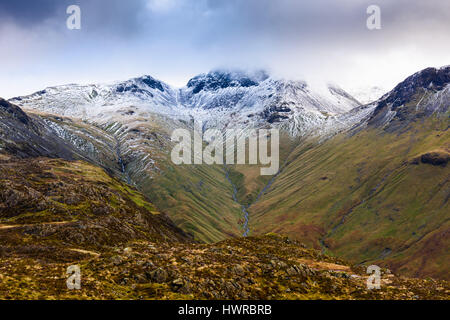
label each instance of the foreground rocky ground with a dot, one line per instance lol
(56, 213)
(266, 267)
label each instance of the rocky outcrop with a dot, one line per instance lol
(28, 136)
(421, 95)
(14, 111)
(436, 158)
(224, 79)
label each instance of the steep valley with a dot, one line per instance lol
(87, 178)
(371, 197)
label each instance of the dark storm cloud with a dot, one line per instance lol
(111, 17)
(297, 20)
(29, 13)
(210, 21)
(176, 39)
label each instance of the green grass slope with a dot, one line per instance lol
(376, 196)
(198, 198)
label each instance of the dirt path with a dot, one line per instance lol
(321, 265)
(12, 226)
(95, 254)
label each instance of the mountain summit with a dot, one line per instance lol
(424, 93)
(221, 79)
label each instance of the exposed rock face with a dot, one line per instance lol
(138, 87)
(430, 78)
(436, 158)
(27, 136)
(15, 111)
(420, 95)
(223, 79)
(152, 83)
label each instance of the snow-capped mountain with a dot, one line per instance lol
(232, 99)
(95, 101)
(221, 99)
(422, 94)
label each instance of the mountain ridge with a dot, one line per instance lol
(254, 99)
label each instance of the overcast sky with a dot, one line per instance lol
(174, 40)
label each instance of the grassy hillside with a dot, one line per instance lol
(45, 201)
(248, 180)
(198, 198)
(376, 196)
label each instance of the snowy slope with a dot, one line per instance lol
(227, 100)
(96, 101)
